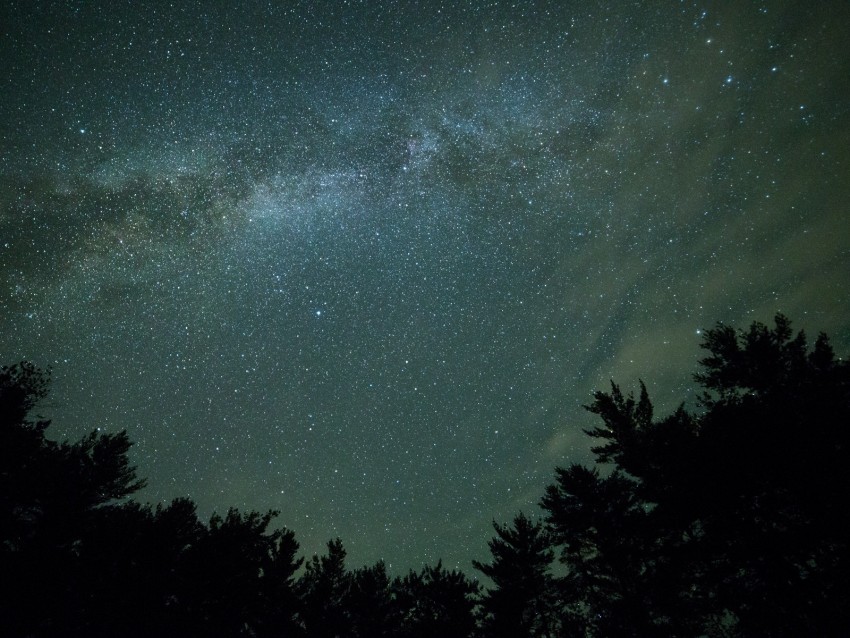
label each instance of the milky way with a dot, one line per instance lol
(363, 262)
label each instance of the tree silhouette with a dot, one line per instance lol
(599, 524)
(324, 589)
(519, 603)
(79, 559)
(436, 602)
(279, 588)
(223, 574)
(51, 497)
(725, 521)
(372, 611)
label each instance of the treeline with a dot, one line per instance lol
(727, 521)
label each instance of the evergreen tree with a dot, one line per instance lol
(436, 602)
(52, 496)
(282, 616)
(600, 526)
(726, 521)
(222, 576)
(324, 589)
(79, 559)
(371, 609)
(519, 603)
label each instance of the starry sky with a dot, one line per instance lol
(363, 262)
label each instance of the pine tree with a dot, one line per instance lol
(52, 496)
(520, 602)
(730, 520)
(435, 602)
(324, 589)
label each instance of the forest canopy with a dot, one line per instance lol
(726, 520)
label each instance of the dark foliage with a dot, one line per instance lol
(520, 603)
(324, 589)
(726, 522)
(373, 610)
(53, 497)
(435, 602)
(78, 558)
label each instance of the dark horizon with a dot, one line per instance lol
(721, 522)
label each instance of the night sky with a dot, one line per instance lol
(362, 262)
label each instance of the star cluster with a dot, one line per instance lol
(363, 262)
